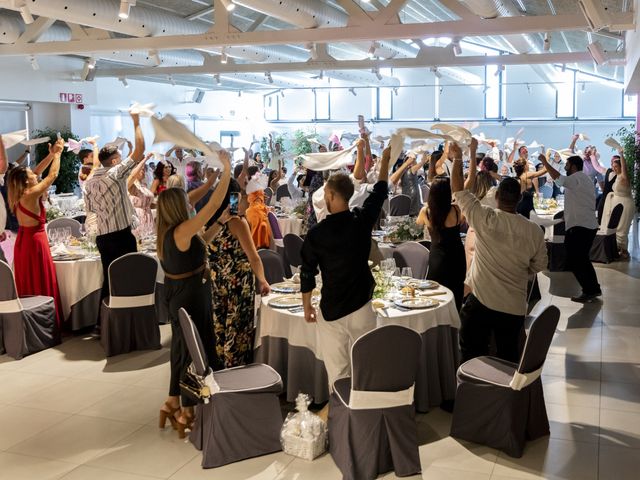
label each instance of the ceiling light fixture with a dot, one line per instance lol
(171, 80)
(217, 78)
(457, 50)
(125, 84)
(26, 14)
(564, 67)
(583, 87)
(223, 55)
(125, 8)
(239, 93)
(597, 53)
(91, 62)
(228, 4)
(436, 72)
(529, 89)
(269, 77)
(282, 93)
(34, 62)
(321, 75)
(547, 42)
(153, 55)
(372, 49)
(376, 72)
(395, 91)
(353, 92)
(314, 52)
(441, 90)
(499, 69)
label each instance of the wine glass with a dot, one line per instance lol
(407, 273)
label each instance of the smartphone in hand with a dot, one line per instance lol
(234, 199)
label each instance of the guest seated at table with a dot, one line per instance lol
(235, 268)
(339, 247)
(141, 198)
(161, 175)
(508, 249)
(183, 257)
(34, 271)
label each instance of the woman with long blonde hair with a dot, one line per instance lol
(183, 255)
(35, 273)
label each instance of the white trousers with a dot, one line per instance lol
(337, 336)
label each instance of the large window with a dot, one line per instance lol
(385, 103)
(630, 106)
(565, 94)
(493, 79)
(323, 100)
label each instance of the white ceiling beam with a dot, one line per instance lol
(221, 19)
(471, 27)
(257, 22)
(434, 59)
(390, 11)
(459, 9)
(33, 31)
(357, 16)
(201, 13)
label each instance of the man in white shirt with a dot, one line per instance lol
(3, 211)
(581, 224)
(508, 249)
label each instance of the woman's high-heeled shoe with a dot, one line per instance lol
(168, 415)
(183, 427)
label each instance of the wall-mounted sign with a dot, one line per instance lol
(71, 97)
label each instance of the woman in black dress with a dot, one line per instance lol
(183, 255)
(447, 261)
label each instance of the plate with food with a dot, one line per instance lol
(68, 257)
(418, 284)
(285, 287)
(417, 303)
(285, 301)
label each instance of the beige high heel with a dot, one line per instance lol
(168, 415)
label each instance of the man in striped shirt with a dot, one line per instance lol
(106, 195)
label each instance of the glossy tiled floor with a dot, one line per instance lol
(67, 413)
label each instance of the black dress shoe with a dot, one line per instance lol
(586, 298)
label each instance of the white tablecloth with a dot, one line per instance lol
(290, 225)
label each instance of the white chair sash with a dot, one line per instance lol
(521, 380)
(10, 306)
(132, 301)
(364, 400)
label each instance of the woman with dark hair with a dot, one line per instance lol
(182, 252)
(161, 176)
(235, 267)
(528, 186)
(34, 271)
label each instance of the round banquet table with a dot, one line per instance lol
(286, 342)
(80, 284)
(290, 225)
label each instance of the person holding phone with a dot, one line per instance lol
(235, 266)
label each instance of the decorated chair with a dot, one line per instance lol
(605, 246)
(64, 222)
(399, 205)
(414, 255)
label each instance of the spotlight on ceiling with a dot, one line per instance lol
(239, 93)
(223, 55)
(395, 91)
(217, 79)
(88, 70)
(353, 92)
(228, 4)
(34, 62)
(457, 50)
(269, 77)
(376, 72)
(26, 14)
(171, 80)
(321, 75)
(499, 69)
(528, 89)
(125, 8)
(436, 72)
(564, 67)
(584, 87)
(282, 93)
(91, 62)
(124, 82)
(155, 58)
(372, 49)
(547, 42)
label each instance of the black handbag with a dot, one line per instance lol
(194, 386)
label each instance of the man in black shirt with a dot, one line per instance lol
(339, 246)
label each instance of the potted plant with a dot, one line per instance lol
(69, 163)
(629, 138)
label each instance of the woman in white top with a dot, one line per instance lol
(621, 194)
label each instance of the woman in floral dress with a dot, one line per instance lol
(235, 266)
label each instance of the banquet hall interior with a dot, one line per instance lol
(419, 222)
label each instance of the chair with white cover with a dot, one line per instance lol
(414, 255)
(273, 264)
(241, 418)
(27, 324)
(501, 404)
(556, 250)
(605, 246)
(282, 191)
(64, 222)
(293, 249)
(372, 427)
(128, 315)
(399, 205)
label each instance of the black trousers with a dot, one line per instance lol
(112, 246)
(480, 322)
(578, 242)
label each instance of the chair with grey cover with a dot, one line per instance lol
(605, 245)
(556, 250)
(273, 264)
(414, 255)
(399, 205)
(64, 222)
(501, 404)
(293, 249)
(128, 316)
(282, 191)
(268, 195)
(241, 418)
(27, 324)
(372, 427)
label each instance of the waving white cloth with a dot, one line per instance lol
(564, 153)
(35, 141)
(258, 182)
(118, 142)
(75, 146)
(168, 129)
(613, 143)
(398, 138)
(461, 135)
(328, 160)
(584, 137)
(13, 138)
(144, 110)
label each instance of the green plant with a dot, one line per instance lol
(300, 144)
(406, 230)
(629, 138)
(69, 163)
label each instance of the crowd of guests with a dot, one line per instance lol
(209, 252)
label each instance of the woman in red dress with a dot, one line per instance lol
(34, 271)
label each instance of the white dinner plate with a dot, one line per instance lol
(419, 284)
(285, 287)
(285, 301)
(416, 303)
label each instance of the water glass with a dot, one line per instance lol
(407, 273)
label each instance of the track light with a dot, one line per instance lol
(372, 49)
(91, 62)
(171, 80)
(125, 84)
(547, 42)
(436, 72)
(584, 87)
(223, 56)
(217, 78)
(282, 93)
(125, 8)
(441, 90)
(239, 93)
(153, 55)
(34, 62)
(269, 77)
(499, 69)
(456, 47)
(353, 92)
(564, 67)
(313, 51)
(376, 71)
(321, 75)
(228, 4)
(395, 91)
(529, 89)
(26, 14)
